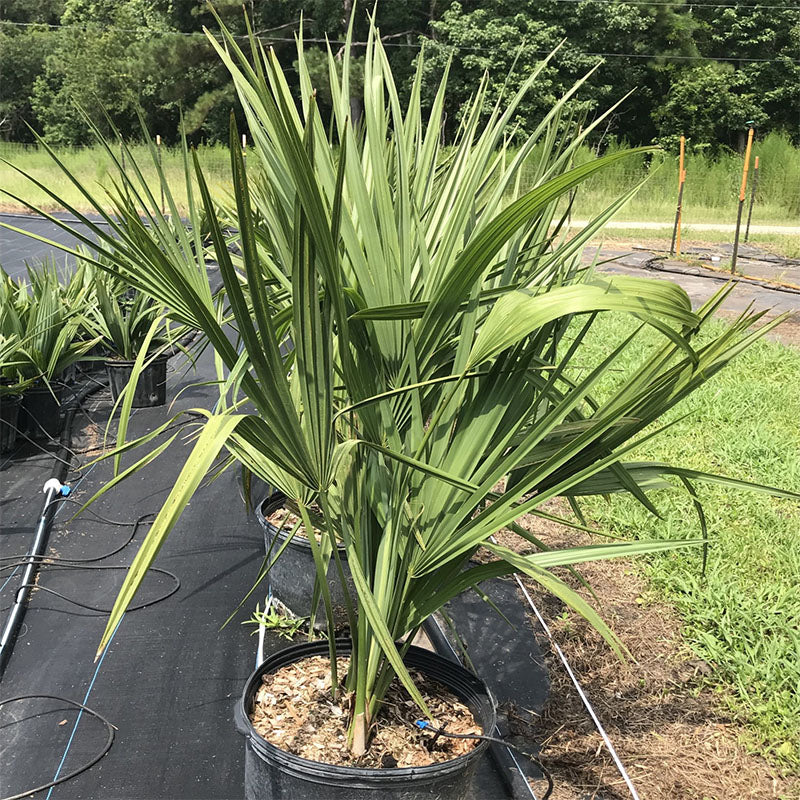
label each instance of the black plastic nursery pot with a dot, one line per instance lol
(292, 576)
(274, 774)
(94, 360)
(40, 412)
(151, 388)
(9, 421)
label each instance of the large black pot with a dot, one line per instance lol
(40, 412)
(94, 360)
(292, 576)
(9, 420)
(151, 388)
(274, 774)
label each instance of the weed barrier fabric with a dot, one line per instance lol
(17, 249)
(170, 677)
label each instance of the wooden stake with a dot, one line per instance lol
(676, 229)
(161, 170)
(742, 195)
(752, 200)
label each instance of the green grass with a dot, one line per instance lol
(743, 615)
(95, 169)
(711, 192)
(712, 186)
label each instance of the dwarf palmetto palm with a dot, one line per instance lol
(10, 358)
(119, 317)
(44, 314)
(434, 323)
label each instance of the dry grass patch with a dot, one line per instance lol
(667, 724)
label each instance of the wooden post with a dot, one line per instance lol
(161, 170)
(676, 229)
(742, 195)
(752, 200)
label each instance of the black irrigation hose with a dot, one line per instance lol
(426, 726)
(41, 447)
(82, 768)
(137, 607)
(39, 545)
(87, 563)
(45, 559)
(510, 772)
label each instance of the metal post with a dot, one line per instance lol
(676, 229)
(742, 195)
(161, 170)
(752, 200)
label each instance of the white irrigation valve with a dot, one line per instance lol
(55, 485)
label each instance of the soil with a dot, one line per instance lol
(295, 711)
(664, 719)
(285, 519)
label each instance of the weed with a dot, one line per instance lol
(285, 627)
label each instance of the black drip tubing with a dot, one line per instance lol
(106, 747)
(39, 546)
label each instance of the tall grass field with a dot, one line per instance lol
(96, 169)
(711, 190)
(710, 195)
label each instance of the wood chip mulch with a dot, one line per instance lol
(285, 519)
(295, 711)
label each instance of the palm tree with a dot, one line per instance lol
(408, 325)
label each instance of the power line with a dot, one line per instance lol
(458, 48)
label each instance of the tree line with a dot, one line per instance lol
(703, 69)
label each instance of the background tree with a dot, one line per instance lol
(698, 69)
(26, 39)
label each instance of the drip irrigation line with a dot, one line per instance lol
(7, 580)
(80, 713)
(120, 523)
(82, 709)
(39, 544)
(41, 447)
(424, 725)
(145, 604)
(584, 699)
(63, 446)
(503, 757)
(720, 278)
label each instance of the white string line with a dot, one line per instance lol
(455, 48)
(584, 699)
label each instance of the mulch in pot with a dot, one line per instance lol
(295, 711)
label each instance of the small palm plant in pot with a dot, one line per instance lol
(38, 315)
(436, 389)
(11, 388)
(125, 321)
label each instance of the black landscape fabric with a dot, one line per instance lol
(169, 680)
